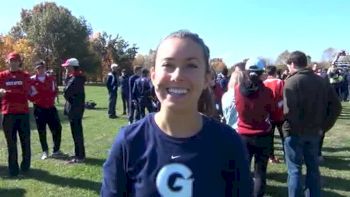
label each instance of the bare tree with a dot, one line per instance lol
(282, 58)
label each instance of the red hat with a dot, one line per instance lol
(13, 56)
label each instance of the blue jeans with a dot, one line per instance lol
(297, 149)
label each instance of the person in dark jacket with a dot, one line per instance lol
(74, 94)
(124, 87)
(143, 90)
(112, 84)
(310, 106)
(133, 105)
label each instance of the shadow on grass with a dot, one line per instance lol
(94, 162)
(345, 114)
(326, 182)
(99, 109)
(12, 192)
(273, 190)
(44, 176)
(336, 163)
(88, 160)
(333, 150)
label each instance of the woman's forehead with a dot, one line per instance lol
(183, 48)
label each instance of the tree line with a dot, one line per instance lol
(51, 33)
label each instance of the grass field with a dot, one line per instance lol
(53, 177)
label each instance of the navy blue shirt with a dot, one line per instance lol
(124, 84)
(132, 80)
(142, 88)
(144, 161)
(112, 82)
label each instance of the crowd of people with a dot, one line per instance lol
(17, 87)
(203, 129)
(232, 120)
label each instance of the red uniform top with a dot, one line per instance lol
(44, 92)
(17, 86)
(276, 85)
(254, 111)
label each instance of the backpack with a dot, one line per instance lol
(90, 104)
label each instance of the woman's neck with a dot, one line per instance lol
(180, 125)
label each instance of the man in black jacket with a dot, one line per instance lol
(310, 107)
(74, 94)
(112, 84)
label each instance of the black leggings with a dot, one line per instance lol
(13, 124)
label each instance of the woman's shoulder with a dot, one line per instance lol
(138, 129)
(221, 130)
(228, 96)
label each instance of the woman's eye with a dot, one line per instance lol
(167, 65)
(192, 66)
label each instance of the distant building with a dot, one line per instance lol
(343, 61)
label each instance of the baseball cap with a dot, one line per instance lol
(71, 62)
(13, 56)
(255, 64)
(39, 63)
(114, 65)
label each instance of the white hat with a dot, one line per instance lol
(114, 65)
(71, 62)
(255, 64)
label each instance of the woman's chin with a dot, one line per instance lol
(175, 106)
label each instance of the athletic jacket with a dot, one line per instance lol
(255, 108)
(276, 85)
(44, 93)
(17, 86)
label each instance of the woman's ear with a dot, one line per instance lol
(152, 74)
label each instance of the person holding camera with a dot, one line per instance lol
(74, 93)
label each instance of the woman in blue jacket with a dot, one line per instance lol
(178, 151)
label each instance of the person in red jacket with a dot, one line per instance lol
(14, 91)
(276, 85)
(44, 92)
(255, 107)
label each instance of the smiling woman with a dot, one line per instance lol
(167, 153)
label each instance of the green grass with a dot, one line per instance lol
(55, 178)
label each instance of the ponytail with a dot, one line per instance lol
(206, 104)
(254, 76)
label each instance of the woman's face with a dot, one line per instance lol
(40, 70)
(69, 69)
(180, 74)
(13, 64)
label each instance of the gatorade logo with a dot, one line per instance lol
(173, 180)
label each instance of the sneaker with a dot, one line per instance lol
(58, 154)
(44, 155)
(75, 161)
(113, 116)
(274, 160)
